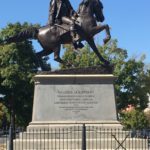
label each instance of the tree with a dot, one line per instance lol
(3, 116)
(131, 75)
(17, 68)
(134, 119)
(132, 84)
(147, 114)
(1, 113)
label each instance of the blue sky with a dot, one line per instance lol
(129, 20)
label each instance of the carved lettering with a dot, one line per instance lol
(75, 100)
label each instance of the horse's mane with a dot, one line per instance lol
(84, 2)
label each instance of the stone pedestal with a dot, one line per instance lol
(74, 99)
(62, 104)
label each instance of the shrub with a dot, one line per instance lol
(132, 118)
(3, 115)
(147, 114)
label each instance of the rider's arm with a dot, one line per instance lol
(52, 12)
(72, 11)
(78, 11)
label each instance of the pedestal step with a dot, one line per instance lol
(62, 144)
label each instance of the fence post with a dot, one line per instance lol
(11, 138)
(83, 137)
(148, 142)
(11, 130)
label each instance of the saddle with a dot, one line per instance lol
(62, 29)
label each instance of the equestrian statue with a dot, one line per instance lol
(66, 26)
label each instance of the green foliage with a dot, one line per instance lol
(81, 60)
(147, 79)
(147, 114)
(3, 111)
(132, 78)
(134, 119)
(132, 82)
(17, 68)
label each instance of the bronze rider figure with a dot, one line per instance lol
(61, 11)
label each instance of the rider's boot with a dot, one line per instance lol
(74, 40)
(72, 31)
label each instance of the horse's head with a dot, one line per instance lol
(98, 10)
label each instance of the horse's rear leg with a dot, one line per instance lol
(57, 55)
(58, 59)
(43, 53)
(39, 59)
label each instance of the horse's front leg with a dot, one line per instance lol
(105, 27)
(93, 46)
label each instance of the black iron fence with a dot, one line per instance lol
(76, 138)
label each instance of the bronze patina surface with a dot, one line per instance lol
(68, 27)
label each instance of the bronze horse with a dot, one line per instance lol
(51, 38)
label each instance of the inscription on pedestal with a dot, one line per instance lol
(80, 99)
(74, 100)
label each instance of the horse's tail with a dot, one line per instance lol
(29, 33)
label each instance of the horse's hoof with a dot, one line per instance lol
(108, 66)
(45, 68)
(106, 40)
(106, 63)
